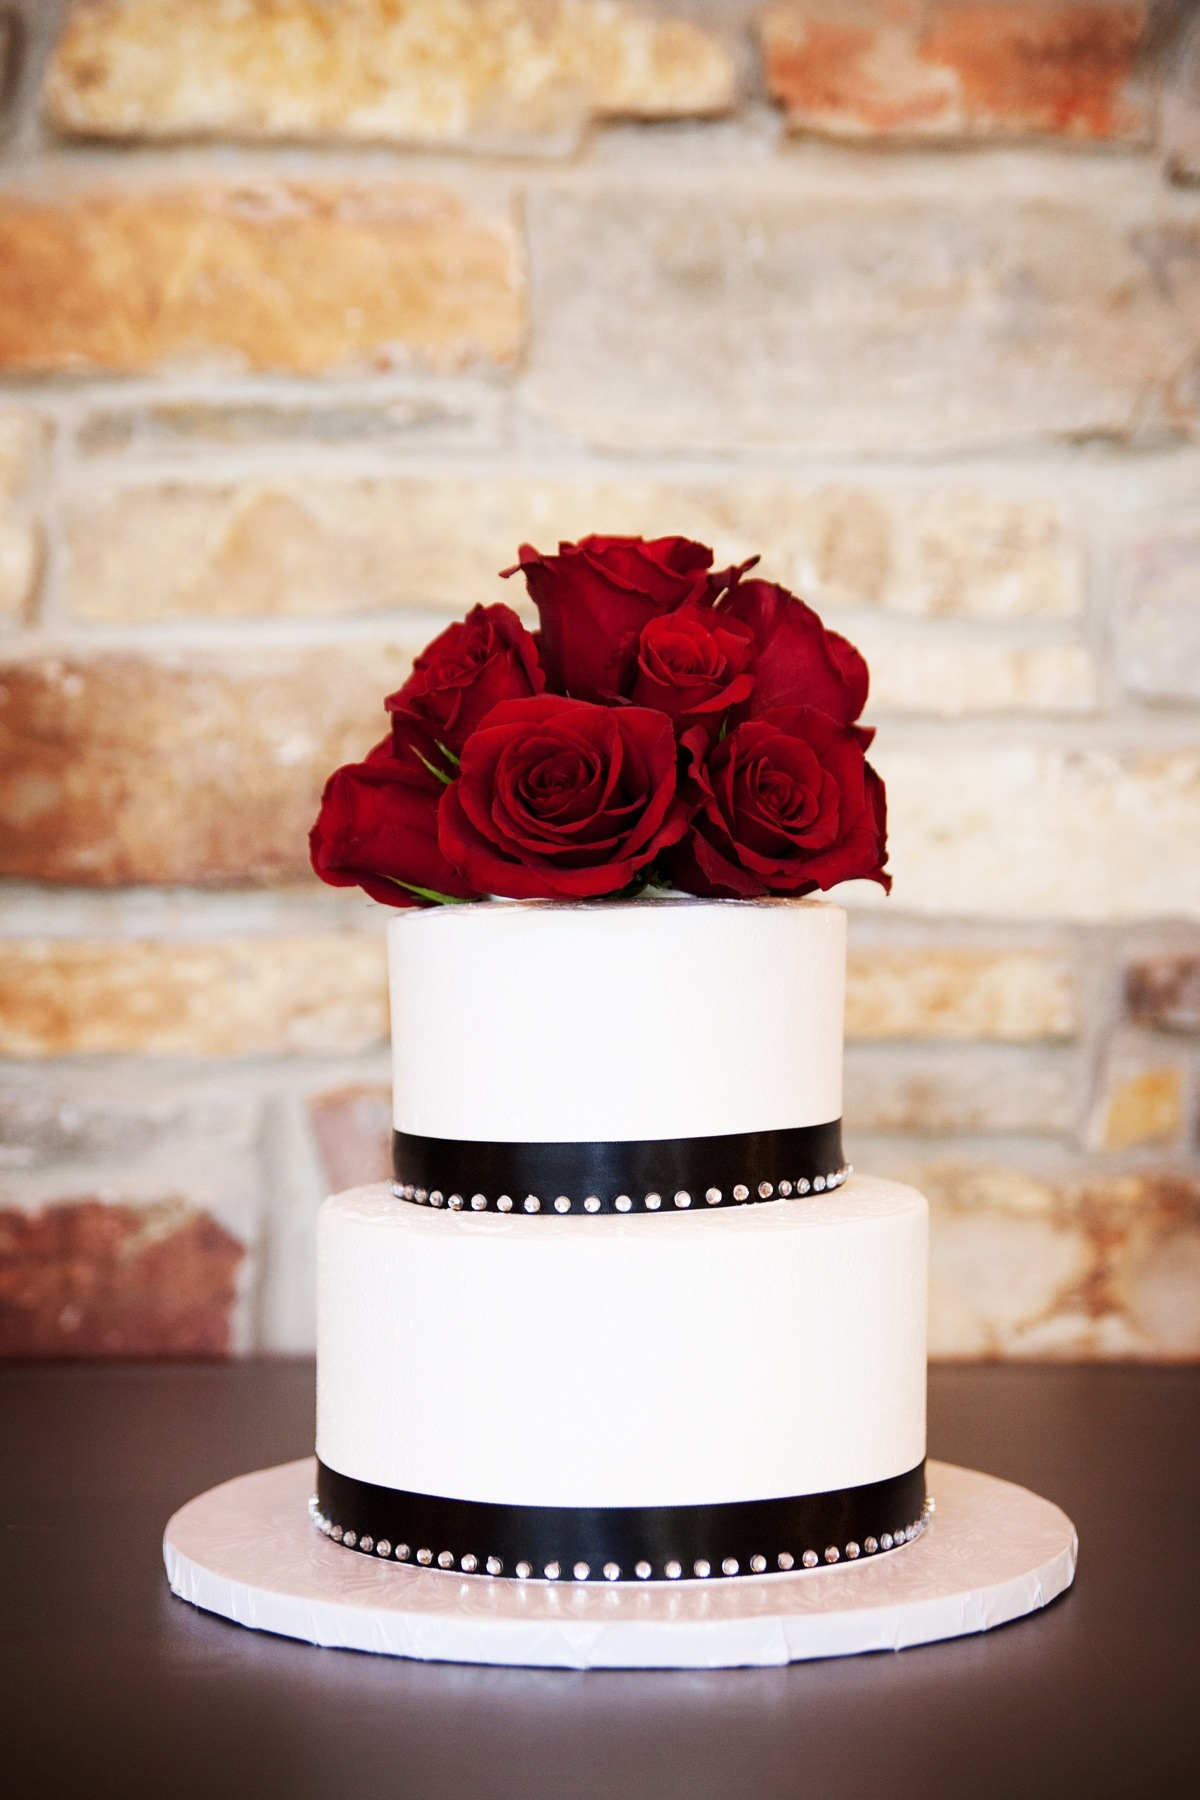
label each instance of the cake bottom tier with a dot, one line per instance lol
(650, 1395)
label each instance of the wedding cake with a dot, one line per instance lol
(623, 1313)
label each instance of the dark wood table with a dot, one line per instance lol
(111, 1687)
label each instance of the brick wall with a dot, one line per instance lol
(310, 312)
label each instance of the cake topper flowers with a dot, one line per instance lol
(666, 726)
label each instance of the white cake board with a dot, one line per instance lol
(248, 1551)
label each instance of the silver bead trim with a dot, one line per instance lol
(592, 1203)
(672, 1569)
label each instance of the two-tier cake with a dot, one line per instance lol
(623, 1314)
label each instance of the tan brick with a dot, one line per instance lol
(953, 676)
(854, 311)
(1075, 1266)
(422, 72)
(1028, 830)
(1013, 996)
(183, 765)
(1141, 1098)
(1158, 612)
(958, 68)
(264, 273)
(23, 440)
(944, 1089)
(309, 544)
(940, 553)
(1146, 1108)
(231, 997)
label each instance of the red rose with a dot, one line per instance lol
(787, 803)
(378, 830)
(594, 597)
(558, 799)
(466, 670)
(694, 665)
(799, 662)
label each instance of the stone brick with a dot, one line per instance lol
(55, 1115)
(1029, 830)
(234, 997)
(265, 273)
(1179, 132)
(304, 543)
(911, 309)
(959, 68)
(423, 72)
(1010, 995)
(22, 451)
(951, 1090)
(1158, 615)
(353, 1129)
(8, 50)
(185, 764)
(1075, 1266)
(1164, 991)
(953, 676)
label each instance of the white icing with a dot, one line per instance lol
(644, 1019)
(748, 1352)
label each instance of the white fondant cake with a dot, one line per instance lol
(642, 1019)
(697, 1361)
(729, 1355)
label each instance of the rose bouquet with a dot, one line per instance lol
(666, 726)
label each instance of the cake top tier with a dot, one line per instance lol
(549, 1023)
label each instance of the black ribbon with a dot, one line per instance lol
(625, 1543)
(642, 1175)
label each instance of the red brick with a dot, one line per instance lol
(86, 1279)
(958, 68)
(264, 273)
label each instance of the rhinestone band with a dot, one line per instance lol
(670, 1569)
(740, 1194)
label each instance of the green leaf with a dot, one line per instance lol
(438, 774)
(430, 894)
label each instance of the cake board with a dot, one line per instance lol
(246, 1550)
